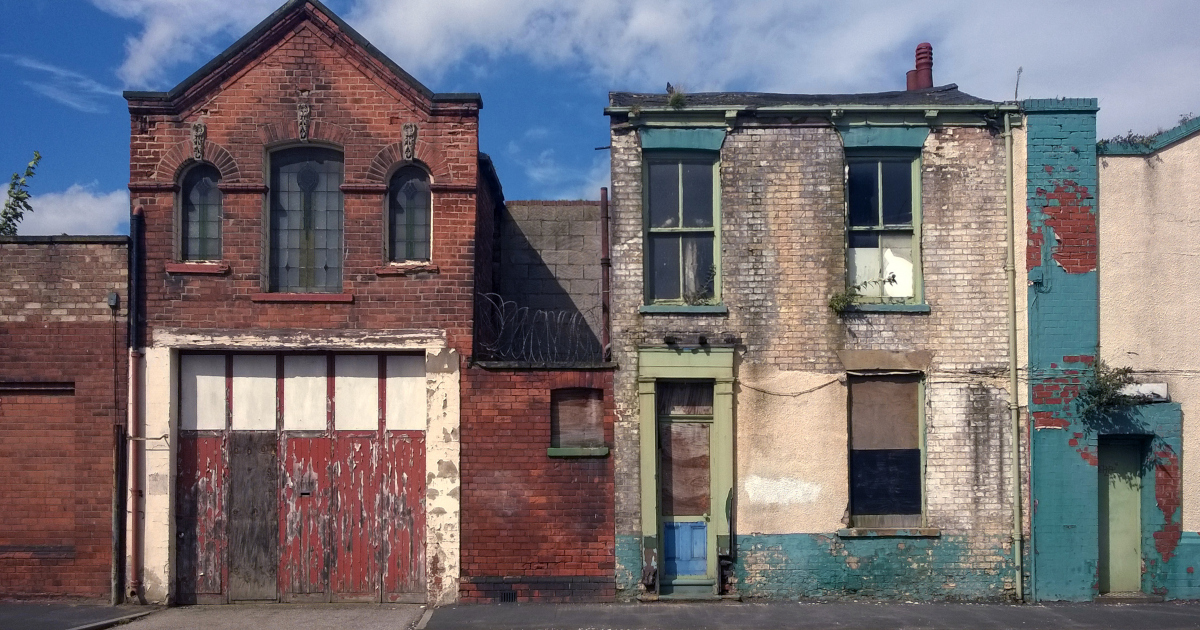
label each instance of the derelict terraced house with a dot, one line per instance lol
(312, 227)
(812, 318)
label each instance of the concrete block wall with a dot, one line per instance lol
(783, 255)
(56, 445)
(535, 527)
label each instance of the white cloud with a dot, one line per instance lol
(178, 31)
(1134, 56)
(77, 210)
(66, 86)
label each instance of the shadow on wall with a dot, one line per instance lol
(547, 310)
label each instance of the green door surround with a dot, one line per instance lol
(713, 363)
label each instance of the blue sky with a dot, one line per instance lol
(544, 68)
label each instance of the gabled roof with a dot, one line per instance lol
(932, 97)
(1153, 143)
(273, 20)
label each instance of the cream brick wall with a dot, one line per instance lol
(783, 255)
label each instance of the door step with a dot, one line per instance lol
(1128, 597)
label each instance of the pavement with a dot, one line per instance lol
(656, 616)
(63, 614)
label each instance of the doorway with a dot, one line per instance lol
(1120, 503)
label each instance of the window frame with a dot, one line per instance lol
(577, 450)
(921, 385)
(181, 221)
(389, 255)
(678, 157)
(915, 158)
(269, 283)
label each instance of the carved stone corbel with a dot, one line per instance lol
(199, 136)
(409, 139)
(303, 112)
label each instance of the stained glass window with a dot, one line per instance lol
(201, 229)
(306, 220)
(409, 215)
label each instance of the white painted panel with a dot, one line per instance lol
(406, 398)
(202, 392)
(305, 392)
(864, 267)
(253, 393)
(356, 392)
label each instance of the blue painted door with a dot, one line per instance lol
(685, 548)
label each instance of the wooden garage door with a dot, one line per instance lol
(301, 477)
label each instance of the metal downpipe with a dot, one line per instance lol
(1014, 408)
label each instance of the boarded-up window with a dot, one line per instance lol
(885, 450)
(576, 418)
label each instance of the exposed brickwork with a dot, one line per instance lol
(534, 526)
(56, 449)
(783, 255)
(357, 105)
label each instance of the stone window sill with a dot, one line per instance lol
(312, 298)
(406, 269)
(888, 308)
(599, 451)
(683, 309)
(890, 532)
(198, 268)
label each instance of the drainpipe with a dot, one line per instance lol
(134, 406)
(605, 272)
(1014, 408)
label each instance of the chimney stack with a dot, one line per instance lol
(922, 77)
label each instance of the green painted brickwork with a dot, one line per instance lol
(629, 566)
(1063, 301)
(828, 567)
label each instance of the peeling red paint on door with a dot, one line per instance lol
(355, 513)
(402, 515)
(200, 517)
(304, 517)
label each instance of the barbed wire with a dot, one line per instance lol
(506, 331)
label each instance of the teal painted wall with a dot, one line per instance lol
(1063, 301)
(788, 566)
(629, 566)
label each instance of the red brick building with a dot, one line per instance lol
(63, 375)
(317, 228)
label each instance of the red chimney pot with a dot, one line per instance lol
(922, 77)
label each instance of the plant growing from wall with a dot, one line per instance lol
(1102, 392)
(17, 202)
(842, 300)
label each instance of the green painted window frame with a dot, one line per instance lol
(674, 364)
(883, 303)
(922, 385)
(677, 156)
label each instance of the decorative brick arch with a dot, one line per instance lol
(280, 132)
(180, 157)
(426, 154)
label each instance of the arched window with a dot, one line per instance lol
(306, 220)
(200, 237)
(409, 215)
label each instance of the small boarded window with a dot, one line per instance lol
(885, 450)
(576, 418)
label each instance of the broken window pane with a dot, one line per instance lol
(897, 264)
(699, 274)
